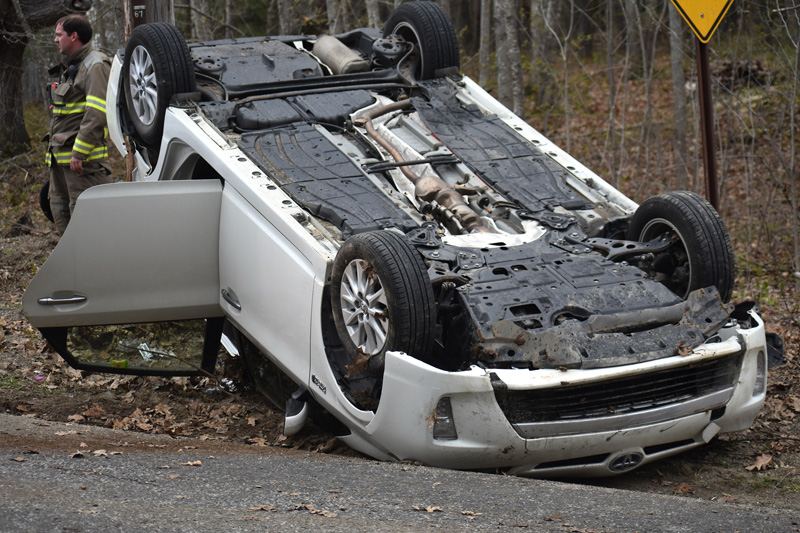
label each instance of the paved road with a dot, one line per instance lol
(123, 481)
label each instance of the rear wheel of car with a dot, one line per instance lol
(157, 65)
(382, 300)
(701, 254)
(427, 27)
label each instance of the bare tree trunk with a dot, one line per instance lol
(119, 24)
(612, 94)
(285, 24)
(551, 15)
(373, 14)
(501, 54)
(485, 44)
(13, 135)
(447, 8)
(16, 26)
(335, 18)
(101, 27)
(681, 155)
(228, 20)
(202, 24)
(514, 57)
(541, 74)
(791, 24)
(271, 26)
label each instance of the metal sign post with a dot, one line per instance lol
(707, 123)
(703, 17)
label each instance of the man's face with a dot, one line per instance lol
(67, 44)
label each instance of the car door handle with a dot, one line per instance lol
(49, 300)
(230, 297)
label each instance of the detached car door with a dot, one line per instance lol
(133, 285)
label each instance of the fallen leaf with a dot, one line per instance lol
(428, 509)
(251, 421)
(64, 433)
(172, 476)
(760, 463)
(75, 418)
(100, 453)
(95, 411)
(314, 510)
(77, 455)
(359, 366)
(19, 459)
(192, 463)
(471, 514)
(683, 488)
(264, 508)
(794, 404)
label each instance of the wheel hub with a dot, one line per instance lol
(364, 307)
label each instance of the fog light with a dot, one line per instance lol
(761, 375)
(444, 427)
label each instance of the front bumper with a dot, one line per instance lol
(607, 445)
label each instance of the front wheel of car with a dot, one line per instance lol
(157, 66)
(701, 254)
(381, 299)
(426, 26)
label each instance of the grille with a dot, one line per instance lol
(622, 396)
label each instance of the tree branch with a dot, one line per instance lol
(209, 17)
(22, 19)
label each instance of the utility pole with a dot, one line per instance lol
(144, 11)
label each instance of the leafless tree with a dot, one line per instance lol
(562, 32)
(514, 56)
(680, 152)
(485, 45)
(373, 14)
(612, 94)
(501, 54)
(16, 31)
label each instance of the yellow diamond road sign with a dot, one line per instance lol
(703, 16)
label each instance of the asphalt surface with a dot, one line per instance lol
(63, 477)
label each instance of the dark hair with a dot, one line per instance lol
(77, 24)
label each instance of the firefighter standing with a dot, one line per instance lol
(76, 153)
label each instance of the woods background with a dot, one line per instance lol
(611, 81)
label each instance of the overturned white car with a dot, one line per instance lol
(427, 267)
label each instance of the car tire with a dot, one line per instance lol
(429, 29)
(157, 65)
(44, 201)
(382, 300)
(702, 254)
